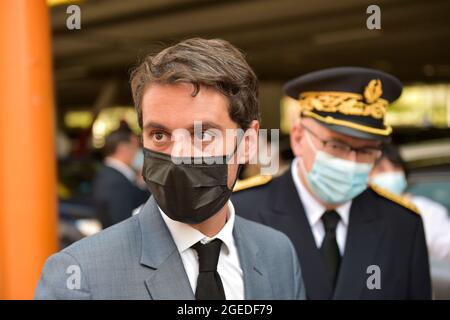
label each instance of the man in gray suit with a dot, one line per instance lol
(186, 242)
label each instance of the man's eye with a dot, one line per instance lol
(205, 135)
(159, 136)
(367, 151)
(337, 146)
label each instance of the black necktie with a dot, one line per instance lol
(330, 249)
(209, 284)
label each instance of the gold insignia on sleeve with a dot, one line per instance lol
(251, 182)
(395, 198)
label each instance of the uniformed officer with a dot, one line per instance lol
(353, 241)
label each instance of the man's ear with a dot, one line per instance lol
(248, 147)
(296, 135)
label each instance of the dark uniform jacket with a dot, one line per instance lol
(115, 197)
(381, 232)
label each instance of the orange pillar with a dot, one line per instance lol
(27, 155)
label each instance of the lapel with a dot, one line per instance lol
(168, 278)
(289, 216)
(256, 281)
(365, 230)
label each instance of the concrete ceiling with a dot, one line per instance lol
(282, 39)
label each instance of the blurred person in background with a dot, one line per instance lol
(343, 231)
(117, 190)
(390, 173)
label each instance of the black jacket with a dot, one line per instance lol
(381, 232)
(115, 197)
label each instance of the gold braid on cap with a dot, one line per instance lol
(369, 104)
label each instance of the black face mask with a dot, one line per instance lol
(187, 189)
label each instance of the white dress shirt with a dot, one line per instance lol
(228, 267)
(314, 211)
(436, 223)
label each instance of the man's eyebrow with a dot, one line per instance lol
(375, 146)
(335, 139)
(155, 125)
(205, 125)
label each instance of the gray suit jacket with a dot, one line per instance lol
(138, 259)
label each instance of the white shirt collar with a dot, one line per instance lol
(186, 236)
(313, 208)
(124, 169)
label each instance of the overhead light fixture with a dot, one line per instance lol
(54, 3)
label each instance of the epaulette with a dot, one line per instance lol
(396, 198)
(251, 182)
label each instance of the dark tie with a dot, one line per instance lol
(209, 284)
(330, 249)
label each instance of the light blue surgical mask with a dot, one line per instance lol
(335, 180)
(394, 182)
